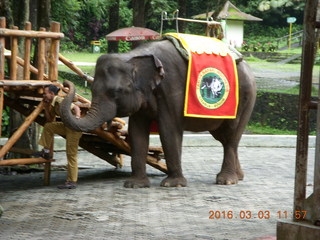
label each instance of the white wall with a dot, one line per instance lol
(234, 32)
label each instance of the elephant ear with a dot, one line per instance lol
(147, 68)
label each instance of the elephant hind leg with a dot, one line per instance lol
(231, 171)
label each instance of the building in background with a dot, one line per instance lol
(232, 21)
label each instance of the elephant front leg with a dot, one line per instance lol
(139, 142)
(171, 139)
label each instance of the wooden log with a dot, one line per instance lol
(14, 54)
(152, 161)
(120, 143)
(23, 161)
(54, 53)
(17, 134)
(27, 49)
(24, 83)
(1, 107)
(2, 47)
(31, 34)
(74, 68)
(41, 56)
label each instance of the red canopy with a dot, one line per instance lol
(132, 34)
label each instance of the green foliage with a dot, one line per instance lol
(124, 46)
(5, 122)
(279, 111)
(125, 14)
(257, 128)
(154, 9)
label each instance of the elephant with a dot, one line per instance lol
(147, 84)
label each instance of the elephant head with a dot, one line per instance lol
(122, 85)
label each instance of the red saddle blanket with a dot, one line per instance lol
(212, 80)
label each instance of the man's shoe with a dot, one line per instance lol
(43, 154)
(67, 185)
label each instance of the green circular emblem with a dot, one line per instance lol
(212, 88)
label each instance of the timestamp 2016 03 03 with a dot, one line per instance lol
(262, 214)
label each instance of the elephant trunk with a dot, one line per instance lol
(94, 117)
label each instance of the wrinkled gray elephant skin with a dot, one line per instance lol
(149, 84)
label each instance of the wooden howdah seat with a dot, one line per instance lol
(25, 96)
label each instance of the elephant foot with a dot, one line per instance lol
(174, 182)
(137, 183)
(225, 178)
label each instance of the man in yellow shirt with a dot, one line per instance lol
(52, 109)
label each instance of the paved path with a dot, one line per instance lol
(101, 208)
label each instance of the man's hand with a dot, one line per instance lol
(77, 111)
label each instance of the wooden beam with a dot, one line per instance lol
(23, 161)
(41, 56)
(54, 53)
(17, 134)
(14, 54)
(31, 34)
(27, 49)
(307, 63)
(74, 68)
(2, 47)
(24, 83)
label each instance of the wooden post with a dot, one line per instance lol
(14, 54)
(41, 56)
(2, 47)
(17, 134)
(27, 49)
(304, 103)
(47, 173)
(54, 53)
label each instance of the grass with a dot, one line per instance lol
(256, 128)
(82, 56)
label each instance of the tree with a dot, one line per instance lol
(182, 6)
(113, 24)
(138, 19)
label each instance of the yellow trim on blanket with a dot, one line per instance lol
(201, 44)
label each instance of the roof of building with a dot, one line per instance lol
(230, 12)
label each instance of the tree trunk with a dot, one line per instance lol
(138, 7)
(113, 25)
(5, 11)
(182, 6)
(33, 18)
(44, 13)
